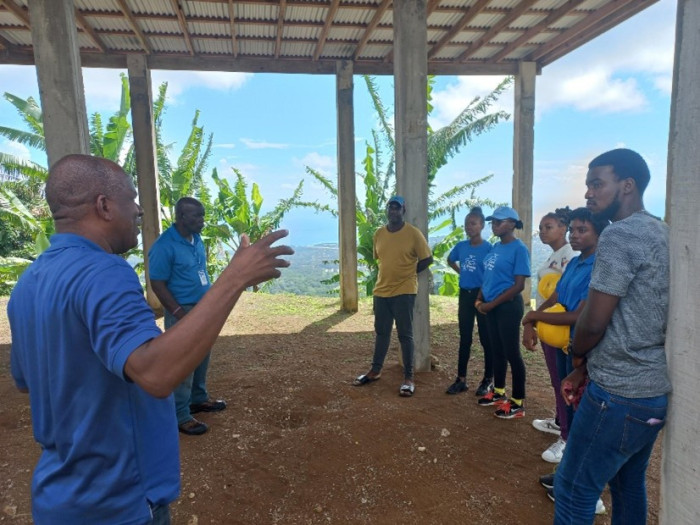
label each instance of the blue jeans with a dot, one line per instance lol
(610, 442)
(193, 389)
(386, 311)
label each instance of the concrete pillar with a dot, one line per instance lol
(347, 219)
(57, 59)
(680, 476)
(411, 123)
(523, 153)
(146, 159)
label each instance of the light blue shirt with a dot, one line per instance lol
(501, 265)
(471, 263)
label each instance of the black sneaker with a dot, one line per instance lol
(492, 398)
(457, 387)
(510, 410)
(485, 387)
(550, 493)
(547, 481)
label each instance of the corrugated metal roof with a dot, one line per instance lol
(460, 39)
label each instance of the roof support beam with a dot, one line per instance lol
(496, 28)
(332, 10)
(135, 26)
(232, 23)
(183, 25)
(16, 10)
(378, 14)
(471, 13)
(411, 124)
(535, 30)
(89, 31)
(280, 27)
(60, 78)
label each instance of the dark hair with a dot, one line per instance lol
(186, 201)
(626, 164)
(476, 211)
(562, 215)
(585, 215)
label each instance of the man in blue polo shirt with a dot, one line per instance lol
(177, 266)
(97, 368)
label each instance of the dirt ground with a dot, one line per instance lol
(299, 445)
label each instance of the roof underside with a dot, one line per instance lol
(310, 36)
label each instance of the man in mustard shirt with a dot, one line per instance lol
(402, 253)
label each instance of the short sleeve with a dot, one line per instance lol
(454, 253)
(617, 262)
(159, 262)
(422, 248)
(522, 261)
(117, 315)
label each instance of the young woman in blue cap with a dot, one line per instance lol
(505, 269)
(467, 259)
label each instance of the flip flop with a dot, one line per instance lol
(364, 379)
(407, 390)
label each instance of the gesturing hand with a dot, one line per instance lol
(259, 262)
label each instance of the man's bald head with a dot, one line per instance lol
(75, 181)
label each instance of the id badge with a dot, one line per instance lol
(203, 277)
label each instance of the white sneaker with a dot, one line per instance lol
(599, 507)
(555, 451)
(546, 425)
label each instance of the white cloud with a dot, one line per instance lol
(323, 163)
(259, 144)
(15, 148)
(181, 81)
(224, 146)
(454, 98)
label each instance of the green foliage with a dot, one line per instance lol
(379, 181)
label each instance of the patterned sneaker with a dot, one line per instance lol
(546, 425)
(547, 481)
(492, 398)
(509, 410)
(485, 387)
(555, 451)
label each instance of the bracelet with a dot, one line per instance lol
(177, 310)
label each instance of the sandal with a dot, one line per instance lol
(365, 379)
(407, 390)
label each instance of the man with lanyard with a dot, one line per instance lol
(402, 253)
(177, 266)
(619, 345)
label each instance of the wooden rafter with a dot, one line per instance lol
(183, 25)
(601, 27)
(135, 26)
(330, 15)
(280, 27)
(536, 29)
(232, 23)
(584, 25)
(378, 14)
(16, 10)
(471, 13)
(496, 28)
(83, 24)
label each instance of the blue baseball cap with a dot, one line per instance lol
(398, 199)
(502, 213)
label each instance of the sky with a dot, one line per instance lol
(612, 92)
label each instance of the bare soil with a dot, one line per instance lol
(299, 445)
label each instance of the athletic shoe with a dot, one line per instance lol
(546, 425)
(599, 505)
(547, 481)
(485, 387)
(510, 410)
(555, 451)
(492, 398)
(457, 387)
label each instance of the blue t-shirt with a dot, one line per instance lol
(181, 264)
(471, 263)
(108, 447)
(572, 288)
(501, 265)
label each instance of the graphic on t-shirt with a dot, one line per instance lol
(469, 264)
(490, 261)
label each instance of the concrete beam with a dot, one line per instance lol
(347, 219)
(146, 160)
(411, 123)
(523, 152)
(681, 456)
(57, 59)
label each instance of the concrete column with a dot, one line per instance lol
(146, 159)
(411, 123)
(523, 153)
(57, 59)
(347, 219)
(680, 476)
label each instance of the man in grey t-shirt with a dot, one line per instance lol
(619, 346)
